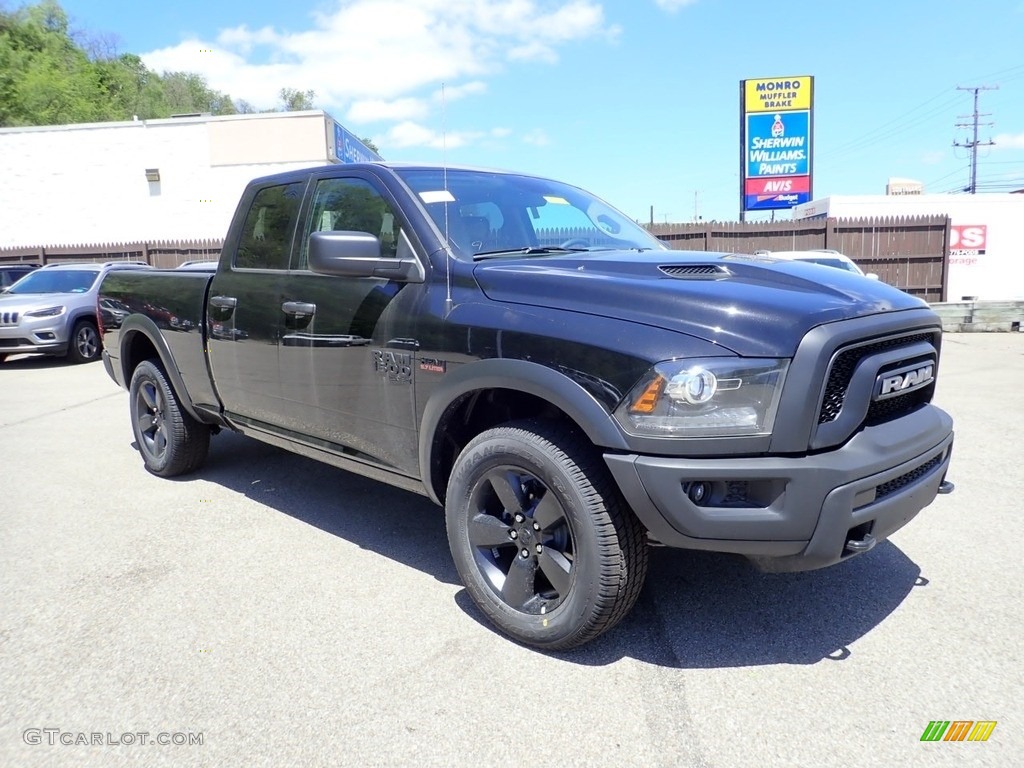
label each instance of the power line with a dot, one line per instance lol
(973, 144)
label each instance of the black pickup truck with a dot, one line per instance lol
(570, 390)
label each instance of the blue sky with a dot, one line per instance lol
(636, 100)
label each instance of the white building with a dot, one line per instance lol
(986, 254)
(150, 180)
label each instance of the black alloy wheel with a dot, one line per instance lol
(546, 546)
(170, 440)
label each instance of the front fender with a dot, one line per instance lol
(522, 376)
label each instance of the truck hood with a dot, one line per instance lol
(752, 306)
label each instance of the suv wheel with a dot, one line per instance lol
(544, 543)
(170, 440)
(84, 345)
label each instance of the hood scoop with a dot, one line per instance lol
(695, 271)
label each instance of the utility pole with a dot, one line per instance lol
(973, 144)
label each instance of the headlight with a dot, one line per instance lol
(714, 397)
(48, 312)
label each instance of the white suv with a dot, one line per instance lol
(53, 311)
(824, 256)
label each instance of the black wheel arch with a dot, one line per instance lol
(520, 387)
(140, 339)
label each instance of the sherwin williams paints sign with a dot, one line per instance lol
(349, 149)
(776, 140)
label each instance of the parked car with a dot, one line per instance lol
(824, 256)
(53, 311)
(201, 265)
(12, 273)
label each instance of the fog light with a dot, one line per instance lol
(698, 492)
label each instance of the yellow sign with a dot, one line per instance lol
(777, 94)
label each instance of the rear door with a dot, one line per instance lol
(244, 308)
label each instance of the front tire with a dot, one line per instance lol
(84, 346)
(170, 440)
(542, 539)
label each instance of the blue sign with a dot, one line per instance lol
(349, 149)
(778, 144)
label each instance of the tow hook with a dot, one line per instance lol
(859, 546)
(946, 487)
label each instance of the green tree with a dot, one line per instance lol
(295, 100)
(48, 77)
(44, 77)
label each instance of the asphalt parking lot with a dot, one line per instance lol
(290, 614)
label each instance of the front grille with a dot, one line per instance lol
(8, 318)
(881, 411)
(11, 343)
(845, 363)
(889, 488)
(695, 270)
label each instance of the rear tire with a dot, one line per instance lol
(541, 537)
(170, 440)
(84, 346)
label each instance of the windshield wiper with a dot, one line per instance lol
(528, 251)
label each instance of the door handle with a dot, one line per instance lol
(223, 302)
(298, 308)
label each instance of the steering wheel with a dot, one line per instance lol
(575, 242)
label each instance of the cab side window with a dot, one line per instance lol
(269, 227)
(351, 205)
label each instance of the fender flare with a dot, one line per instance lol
(140, 324)
(521, 376)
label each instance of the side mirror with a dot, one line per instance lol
(357, 254)
(871, 275)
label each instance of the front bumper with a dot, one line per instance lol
(46, 335)
(794, 513)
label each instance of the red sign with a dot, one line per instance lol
(968, 237)
(777, 185)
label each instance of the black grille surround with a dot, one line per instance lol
(853, 377)
(841, 373)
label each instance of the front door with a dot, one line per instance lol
(347, 348)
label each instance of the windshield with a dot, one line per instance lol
(56, 281)
(492, 214)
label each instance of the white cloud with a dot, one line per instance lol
(410, 134)
(245, 40)
(456, 92)
(1008, 141)
(373, 110)
(379, 55)
(537, 137)
(673, 5)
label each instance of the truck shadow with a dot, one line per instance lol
(698, 610)
(701, 610)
